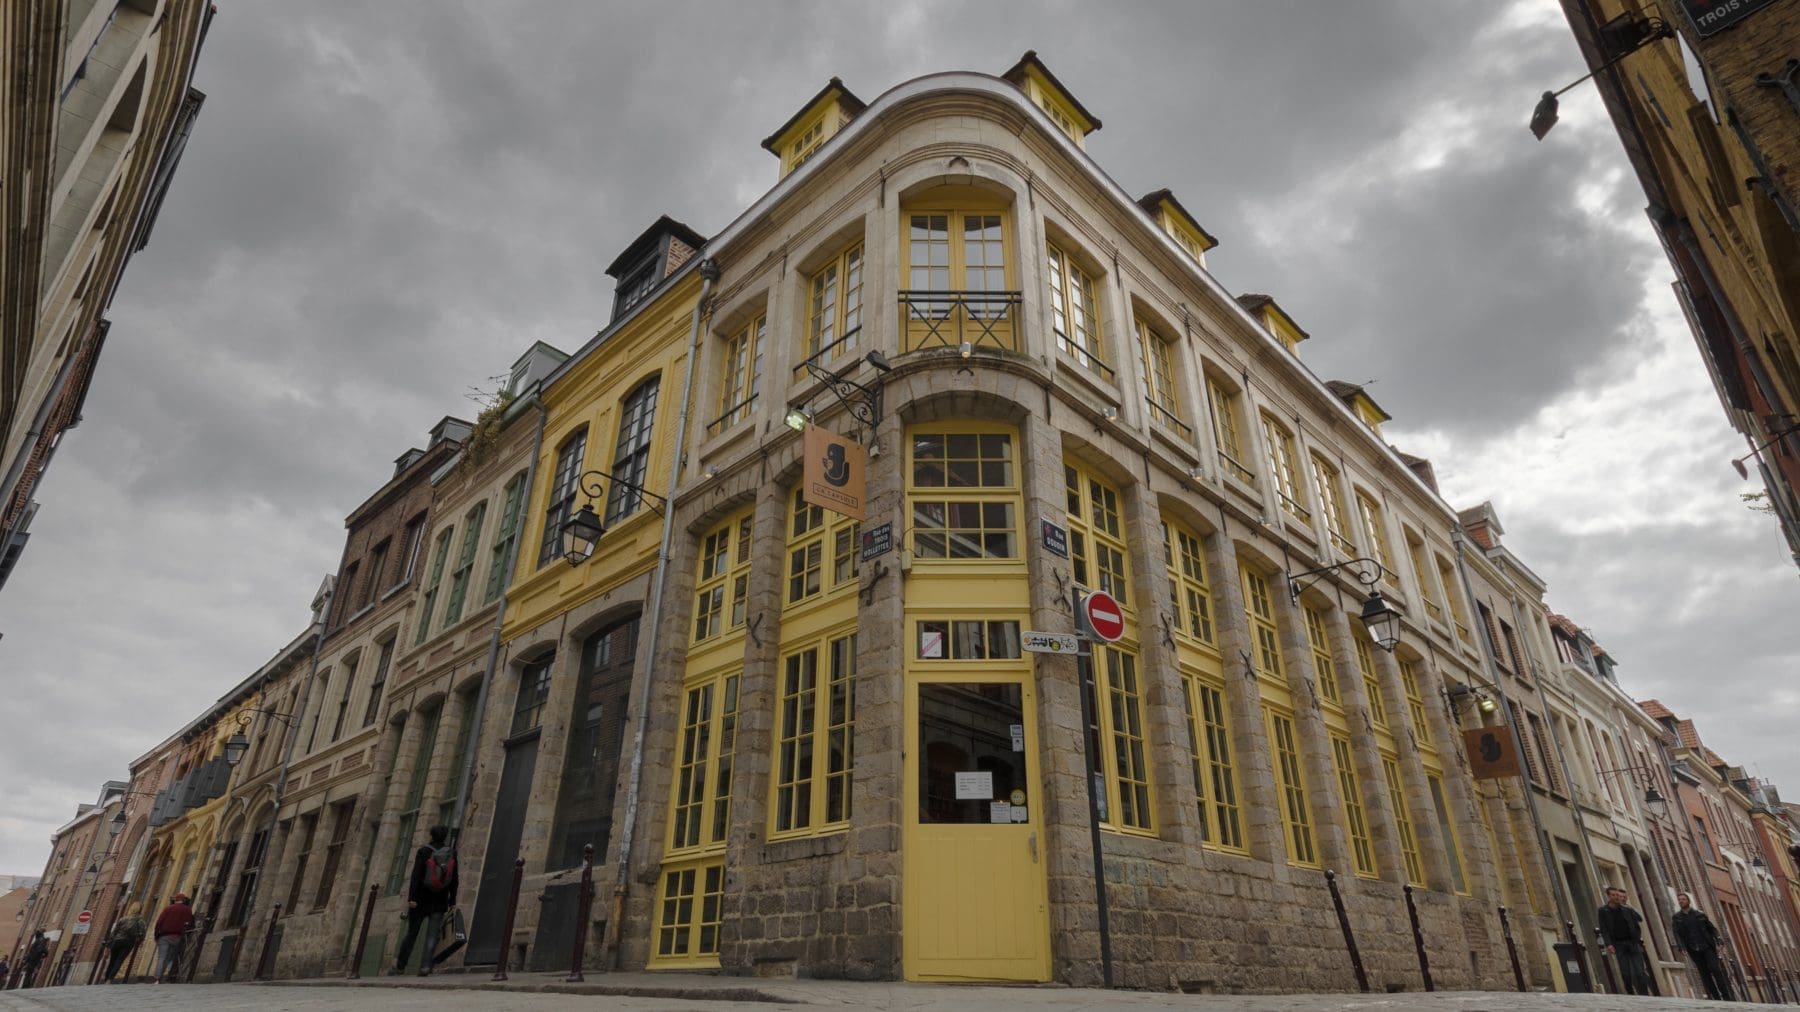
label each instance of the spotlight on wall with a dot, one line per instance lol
(1110, 414)
(965, 349)
(711, 472)
(1197, 472)
(798, 417)
(879, 361)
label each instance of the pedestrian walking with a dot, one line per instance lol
(1623, 929)
(35, 954)
(1695, 933)
(172, 926)
(430, 894)
(5, 971)
(126, 936)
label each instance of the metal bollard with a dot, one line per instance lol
(266, 958)
(512, 907)
(1412, 912)
(1512, 950)
(362, 938)
(1337, 900)
(583, 906)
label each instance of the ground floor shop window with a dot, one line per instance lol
(688, 914)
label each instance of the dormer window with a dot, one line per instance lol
(1030, 76)
(654, 255)
(1275, 320)
(1179, 225)
(801, 137)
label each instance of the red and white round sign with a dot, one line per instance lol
(1103, 615)
(84, 917)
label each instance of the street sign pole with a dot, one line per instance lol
(1085, 659)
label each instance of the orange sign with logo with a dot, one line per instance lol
(1491, 753)
(835, 473)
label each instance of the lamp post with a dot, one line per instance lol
(1379, 617)
(581, 533)
(1756, 451)
(1625, 34)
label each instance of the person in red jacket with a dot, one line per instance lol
(172, 926)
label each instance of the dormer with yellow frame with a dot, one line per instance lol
(818, 120)
(1361, 404)
(1030, 76)
(1275, 320)
(1175, 220)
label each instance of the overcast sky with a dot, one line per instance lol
(384, 204)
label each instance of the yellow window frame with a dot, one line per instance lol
(1362, 850)
(1365, 665)
(1409, 846)
(812, 572)
(1265, 636)
(1374, 531)
(705, 759)
(1215, 776)
(741, 374)
(1459, 612)
(1075, 311)
(1323, 665)
(1224, 404)
(1123, 748)
(1278, 443)
(1440, 803)
(1189, 592)
(1415, 553)
(976, 231)
(722, 577)
(1159, 379)
(814, 740)
(1415, 704)
(1290, 782)
(970, 470)
(689, 913)
(834, 305)
(1097, 552)
(1331, 504)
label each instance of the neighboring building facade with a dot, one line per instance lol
(67, 889)
(1711, 123)
(95, 112)
(432, 727)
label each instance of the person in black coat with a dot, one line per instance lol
(426, 905)
(35, 954)
(1623, 929)
(1695, 933)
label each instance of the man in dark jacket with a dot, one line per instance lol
(426, 901)
(1623, 930)
(35, 955)
(1695, 933)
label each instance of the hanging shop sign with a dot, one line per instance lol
(1491, 753)
(835, 473)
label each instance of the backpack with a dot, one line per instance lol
(440, 869)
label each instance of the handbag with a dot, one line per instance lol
(458, 931)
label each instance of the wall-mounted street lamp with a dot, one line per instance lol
(238, 744)
(1738, 464)
(1653, 799)
(799, 417)
(1463, 690)
(1382, 621)
(581, 533)
(1623, 35)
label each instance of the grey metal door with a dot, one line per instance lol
(502, 851)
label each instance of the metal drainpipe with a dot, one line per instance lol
(709, 273)
(493, 653)
(1562, 757)
(1512, 725)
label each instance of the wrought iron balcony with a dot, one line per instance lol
(931, 319)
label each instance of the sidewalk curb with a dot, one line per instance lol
(723, 993)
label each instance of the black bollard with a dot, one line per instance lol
(1412, 912)
(362, 937)
(512, 907)
(1356, 963)
(583, 905)
(1512, 950)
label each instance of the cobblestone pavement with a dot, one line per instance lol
(532, 992)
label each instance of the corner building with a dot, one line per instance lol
(847, 766)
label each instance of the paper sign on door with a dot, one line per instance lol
(977, 786)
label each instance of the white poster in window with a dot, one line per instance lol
(999, 811)
(977, 786)
(1018, 737)
(1018, 813)
(931, 643)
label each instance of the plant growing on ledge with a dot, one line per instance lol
(484, 435)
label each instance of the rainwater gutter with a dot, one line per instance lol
(709, 273)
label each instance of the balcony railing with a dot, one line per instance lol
(947, 319)
(1237, 469)
(1294, 506)
(1171, 420)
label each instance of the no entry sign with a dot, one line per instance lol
(1101, 616)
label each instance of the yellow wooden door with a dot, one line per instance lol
(976, 896)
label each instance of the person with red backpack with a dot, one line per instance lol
(431, 893)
